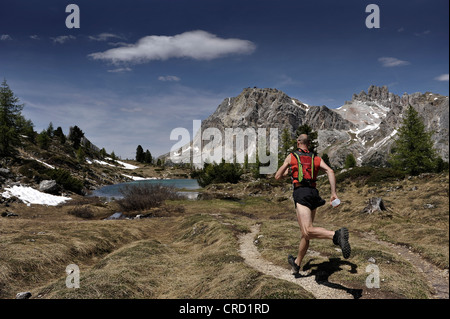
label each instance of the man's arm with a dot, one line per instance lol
(283, 170)
(331, 178)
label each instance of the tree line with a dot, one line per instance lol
(14, 127)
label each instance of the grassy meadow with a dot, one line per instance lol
(189, 248)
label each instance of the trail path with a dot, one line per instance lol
(438, 279)
(253, 258)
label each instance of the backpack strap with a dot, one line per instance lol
(300, 168)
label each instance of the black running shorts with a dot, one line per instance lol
(308, 196)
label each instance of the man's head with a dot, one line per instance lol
(303, 140)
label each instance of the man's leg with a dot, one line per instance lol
(305, 218)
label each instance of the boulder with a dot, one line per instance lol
(23, 295)
(374, 204)
(49, 187)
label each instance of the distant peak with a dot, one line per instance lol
(374, 93)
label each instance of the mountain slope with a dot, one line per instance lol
(365, 126)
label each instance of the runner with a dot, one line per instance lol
(304, 168)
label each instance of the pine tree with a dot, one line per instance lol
(140, 156)
(103, 153)
(245, 162)
(10, 115)
(148, 157)
(43, 140)
(286, 143)
(81, 155)
(350, 161)
(60, 135)
(50, 130)
(413, 149)
(75, 136)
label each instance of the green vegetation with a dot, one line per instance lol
(12, 123)
(350, 161)
(66, 180)
(217, 173)
(413, 150)
(143, 157)
(370, 175)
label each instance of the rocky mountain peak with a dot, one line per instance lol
(376, 94)
(366, 126)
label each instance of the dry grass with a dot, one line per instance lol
(193, 252)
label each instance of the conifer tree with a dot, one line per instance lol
(75, 136)
(350, 161)
(43, 140)
(413, 149)
(10, 115)
(81, 155)
(60, 135)
(148, 157)
(140, 156)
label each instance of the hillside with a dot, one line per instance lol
(58, 172)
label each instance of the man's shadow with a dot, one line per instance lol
(322, 271)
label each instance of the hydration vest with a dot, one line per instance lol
(304, 167)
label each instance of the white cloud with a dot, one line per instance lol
(442, 77)
(34, 37)
(120, 70)
(104, 37)
(5, 37)
(392, 62)
(62, 38)
(197, 45)
(169, 78)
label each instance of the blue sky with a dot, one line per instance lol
(137, 69)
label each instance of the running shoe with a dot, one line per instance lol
(295, 267)
(340, 238)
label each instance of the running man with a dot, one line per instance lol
(304, 169)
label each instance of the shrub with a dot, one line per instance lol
(370, 175)
(144, 196)
(32, 168)
(217, 173)
(63, 178)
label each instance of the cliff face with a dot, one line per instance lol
(364, 126)
(379, 113)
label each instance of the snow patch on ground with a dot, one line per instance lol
(125, 165)
(48, 165)
(137, 178)
(30, 195)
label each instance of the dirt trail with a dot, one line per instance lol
(253, 258)
(438, 279)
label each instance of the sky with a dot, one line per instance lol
(132, 71)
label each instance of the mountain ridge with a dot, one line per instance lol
(364, 126)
